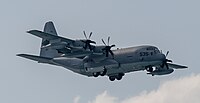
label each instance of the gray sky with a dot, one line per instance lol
(171, 25)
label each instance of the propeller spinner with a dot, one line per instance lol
(107, 48)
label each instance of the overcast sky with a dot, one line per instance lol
(168, 24)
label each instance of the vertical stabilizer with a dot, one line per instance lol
(49, 28)
(45, 52)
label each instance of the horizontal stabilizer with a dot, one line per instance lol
(175, 66)
(36, 58)
(48, 36)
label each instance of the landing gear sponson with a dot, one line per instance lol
(117, 76)
(111, 78)
(96, 74)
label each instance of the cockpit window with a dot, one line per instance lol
(154, 49)
(151, 48)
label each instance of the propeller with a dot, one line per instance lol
(165, 62)
(107, 48)
(87, 41)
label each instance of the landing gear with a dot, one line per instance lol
(96, 74)
(103, 73)
(112, 78)
(118, 77)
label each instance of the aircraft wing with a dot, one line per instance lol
(37, 58)
(176, 66)
(48, 36)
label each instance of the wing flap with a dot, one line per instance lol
(176, 66)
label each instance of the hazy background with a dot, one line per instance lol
(169, 24)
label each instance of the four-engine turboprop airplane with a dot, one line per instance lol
(81, 57)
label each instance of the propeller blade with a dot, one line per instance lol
(108, 40)
(92, 42)
(107, 48)
(103, 42)
(112, 46)
(111, 53)
(87, 41)
(165, 63)
(167, 53)
(84, 34)
(90, 35)
(169, 60)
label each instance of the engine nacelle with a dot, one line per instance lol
(161, 71)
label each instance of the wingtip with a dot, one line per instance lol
(20, 55)
(32, 31)
(28, 31)
(185, 67)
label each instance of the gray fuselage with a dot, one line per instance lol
(124, 61)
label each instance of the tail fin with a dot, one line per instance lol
(44, 52)
(49, 28)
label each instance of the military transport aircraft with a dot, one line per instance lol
(82, 57)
